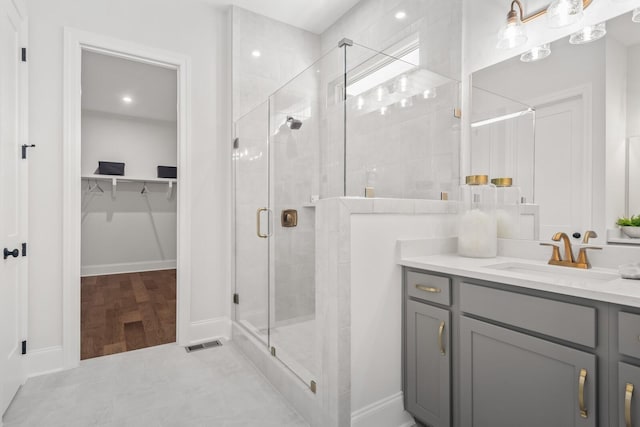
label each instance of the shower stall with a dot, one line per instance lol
(356, 120)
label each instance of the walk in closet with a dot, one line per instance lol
(129, 209)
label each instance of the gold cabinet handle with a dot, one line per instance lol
(628, 395)
(440, 342)
(258, 212)
(581, 383)
(429, 289)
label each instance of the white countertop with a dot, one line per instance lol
(616, 291)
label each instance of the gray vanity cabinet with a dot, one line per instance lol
(628, 398)
(511, 378)
(428, 363)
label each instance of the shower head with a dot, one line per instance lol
(294, 124)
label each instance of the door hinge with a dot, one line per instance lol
(24, 347)
(23, 54)
(236, 299)
(24, 149)
(24, 249)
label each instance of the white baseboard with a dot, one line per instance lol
(387, 412)
(44, 361)
(130, 267)
(209, 330)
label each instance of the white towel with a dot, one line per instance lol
(630, 271)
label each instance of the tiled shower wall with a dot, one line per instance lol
(413, 151)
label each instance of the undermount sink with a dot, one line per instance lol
(556, 272)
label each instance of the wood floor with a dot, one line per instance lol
(123, 312)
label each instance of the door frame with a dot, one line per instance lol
(585, 93)
(75, 41)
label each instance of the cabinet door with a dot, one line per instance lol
(513, 379)
(628, 399)
(428, 362)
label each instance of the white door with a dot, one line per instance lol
(561, 173)
(13, 200)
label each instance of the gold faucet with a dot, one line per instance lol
(569, 261)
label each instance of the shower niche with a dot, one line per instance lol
(355, 119)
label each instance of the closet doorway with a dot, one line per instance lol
(129, 157)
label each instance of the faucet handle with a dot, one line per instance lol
(583, 260)
(555, 255)
(588, 234)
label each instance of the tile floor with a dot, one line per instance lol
(158, 386)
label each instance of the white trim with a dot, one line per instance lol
(128, 267)
(74, 42)
(387, 412)
(44, 361)
(209, 330)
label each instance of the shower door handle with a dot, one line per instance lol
(258, 213)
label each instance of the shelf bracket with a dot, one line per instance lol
(114, 184)
(170, 190)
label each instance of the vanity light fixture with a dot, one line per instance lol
(636, 15)
(589, 34)
(501, 118)
(536, 54)
(560, 13)
(513, 34)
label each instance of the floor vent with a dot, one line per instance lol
(203, 346)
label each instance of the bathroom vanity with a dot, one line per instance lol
(503, 342)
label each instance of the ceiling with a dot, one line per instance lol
(311, 15)
(106, 80)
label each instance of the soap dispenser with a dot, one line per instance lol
(477, 224)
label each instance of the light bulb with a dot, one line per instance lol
(430, 93)
(513, 34)
(536, 54)
(562, 13)
(589, 34)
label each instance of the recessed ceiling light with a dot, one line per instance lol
(256, 54)
(400, 15)
(127, 99)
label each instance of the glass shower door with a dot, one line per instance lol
(251, 184)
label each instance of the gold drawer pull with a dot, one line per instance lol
(628, 395)
(440, 333)
(429, 289)
(581, 382)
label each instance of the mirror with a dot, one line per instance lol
(565, 129)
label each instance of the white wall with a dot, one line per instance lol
(376, 307)
(131, 232)
(189, 28)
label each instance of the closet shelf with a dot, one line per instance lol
(114, 179)
(119, 178)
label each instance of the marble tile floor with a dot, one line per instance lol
(157, 386)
